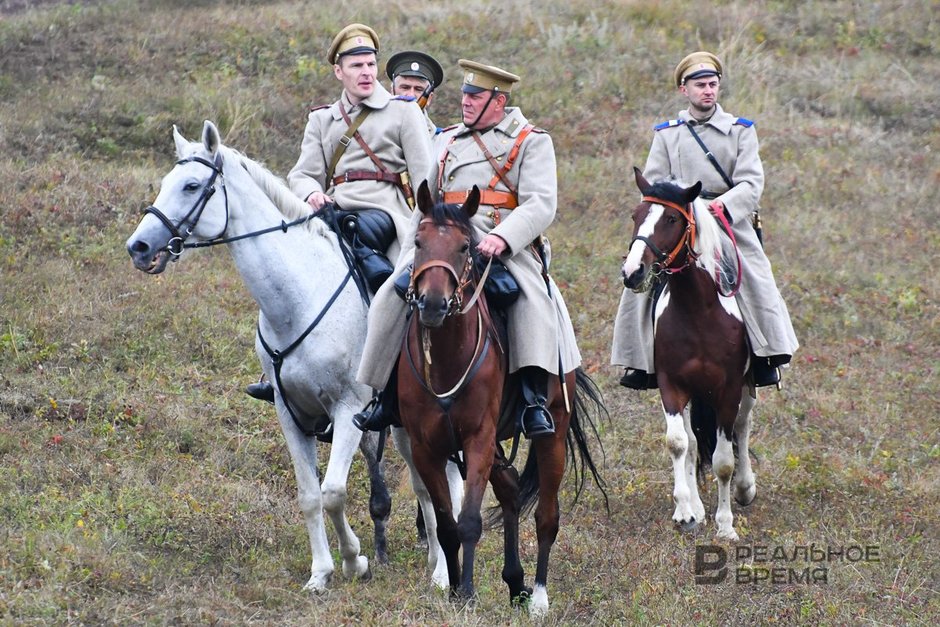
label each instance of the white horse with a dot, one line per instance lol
(311, 328)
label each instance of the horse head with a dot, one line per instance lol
(443, 262)
(663, 229)
(186, 206)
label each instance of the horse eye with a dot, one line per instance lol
(417, 244)
(673, 219)
(465, 247)
(191, 187)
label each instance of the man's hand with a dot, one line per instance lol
(717, 208)
(318, 199)
(492, 245)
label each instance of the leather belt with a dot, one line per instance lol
(708, 195)
(503, 200)
(367, 175)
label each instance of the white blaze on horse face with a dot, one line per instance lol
(632, 263)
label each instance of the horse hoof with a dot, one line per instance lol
(357, 568)
(522, 598)
(745, 497)
(318, 583)
(688, 526)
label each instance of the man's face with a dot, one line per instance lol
(412, 86)
(357, 72)
(702, 92)
(474, 107)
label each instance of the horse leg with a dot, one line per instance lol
(303, 455)
(345, 442)
(723, 465)
(744, 485)
(677, 441)
(505, 482)
(478, 455)
(436, 559)
(380, 502)
(551, 468)
(691, 469)
(431, 470)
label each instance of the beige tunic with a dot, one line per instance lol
(676, 155)
(540, 329)
(396, 131)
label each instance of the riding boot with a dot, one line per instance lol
(765, 370)
(262, 390)
(638, 380)
(382, 410)
(536, 419)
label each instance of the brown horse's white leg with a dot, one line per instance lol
(691, 468)
(745, 487)
(723, 465)
(677, 442)
(551, 460)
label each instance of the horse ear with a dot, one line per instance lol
(181, 142)
(210, 137)
(472, 203)
(691, 193)
(425, 202)
(641, 181)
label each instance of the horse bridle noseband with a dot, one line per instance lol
(455, 302)
(686, 241)
(176, 244)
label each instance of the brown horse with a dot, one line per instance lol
(456, 398)
(700, 348)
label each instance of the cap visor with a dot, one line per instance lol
(472, 89)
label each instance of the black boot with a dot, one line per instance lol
(536, 420)
(262, 390)
(765, 370)
(382, 410)
(638, 380)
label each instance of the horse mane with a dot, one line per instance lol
(274, 187)
(442, 213)
(715, 250)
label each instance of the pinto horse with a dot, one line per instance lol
(311, 325)
(700, 348)
(456, 397)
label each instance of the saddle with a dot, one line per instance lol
(369, 233)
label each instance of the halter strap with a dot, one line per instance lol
(687, 239)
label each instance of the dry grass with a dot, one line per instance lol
(141, 486)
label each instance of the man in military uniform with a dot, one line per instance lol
(372, 167)
(732, 185)
(513, 163)
(416, 75)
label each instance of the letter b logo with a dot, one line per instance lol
(710, 563)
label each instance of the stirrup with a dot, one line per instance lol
(537, 422)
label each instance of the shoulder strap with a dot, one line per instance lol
(351, 131)
(711, 157)
(668, 124)
(502, 171)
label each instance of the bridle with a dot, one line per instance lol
(687, 240)
(176, 243)
(455, 302)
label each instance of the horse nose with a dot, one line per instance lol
(635, 278)
(434, 305)
(137, 248)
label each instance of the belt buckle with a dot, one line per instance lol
(346, 176)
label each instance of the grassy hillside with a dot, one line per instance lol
(138, 484)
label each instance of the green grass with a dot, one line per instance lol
(140, 486)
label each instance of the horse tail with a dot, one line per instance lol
(587, 411)
(705, 427)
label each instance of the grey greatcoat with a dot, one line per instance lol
(675, 155)
(539, 326)
(396, 131)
